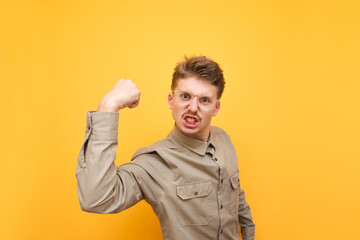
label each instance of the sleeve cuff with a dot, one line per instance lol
(102, 125)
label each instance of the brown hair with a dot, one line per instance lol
(200, 67)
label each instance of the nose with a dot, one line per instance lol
(193, 105)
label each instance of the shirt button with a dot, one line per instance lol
(222, 180)
(215, 159)
(221, 206)
(196, 193)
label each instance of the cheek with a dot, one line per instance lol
(178, 107)
(207, 117)
(176, 111)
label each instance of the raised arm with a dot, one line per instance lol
(102, 187)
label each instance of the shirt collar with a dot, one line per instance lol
(192, 144)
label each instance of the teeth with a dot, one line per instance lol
(190, 120)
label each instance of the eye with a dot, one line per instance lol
(204, 100)
(185, 96)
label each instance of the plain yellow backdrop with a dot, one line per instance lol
(291, 106)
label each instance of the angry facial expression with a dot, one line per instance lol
(193, 103)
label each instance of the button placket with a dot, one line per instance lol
(211, 154)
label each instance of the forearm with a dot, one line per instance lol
(102, 187)
(96, 171)
(245, 218)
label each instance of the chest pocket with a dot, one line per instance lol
(195, 205)
(234, 193)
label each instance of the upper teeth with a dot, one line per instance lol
(192, 120)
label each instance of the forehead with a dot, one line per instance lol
(196, 86)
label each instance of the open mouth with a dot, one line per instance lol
(190, 121)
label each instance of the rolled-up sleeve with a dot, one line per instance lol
(101, 186)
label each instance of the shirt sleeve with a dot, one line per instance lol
(245, 219)
(101, 186)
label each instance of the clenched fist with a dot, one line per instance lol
(124, 94)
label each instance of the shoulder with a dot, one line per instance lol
(166, 143)
(217, 132)
(152, 158)
(221, 138)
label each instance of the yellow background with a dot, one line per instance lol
(291, 106)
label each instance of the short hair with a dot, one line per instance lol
(200, 67)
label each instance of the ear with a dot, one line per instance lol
(217, 108)
(170, 98)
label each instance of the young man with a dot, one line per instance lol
(190, 178)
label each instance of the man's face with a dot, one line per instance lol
(193, 103)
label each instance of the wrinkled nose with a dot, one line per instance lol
(193, 105)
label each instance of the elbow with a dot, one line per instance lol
(87, 201)
(97, 196)
(91, 200)
(86, 207)
(89, 208)
(93, 207)
(92, 204)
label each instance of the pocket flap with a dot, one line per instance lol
(193, 190)
(234, 179)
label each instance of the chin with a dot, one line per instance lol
(188, 131)
(191, 132)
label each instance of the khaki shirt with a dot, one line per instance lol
(192, 186)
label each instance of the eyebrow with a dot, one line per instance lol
(201, 95)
